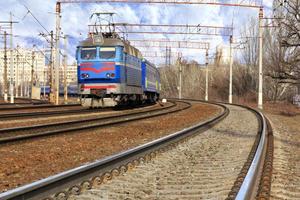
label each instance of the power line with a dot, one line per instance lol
(38, 21)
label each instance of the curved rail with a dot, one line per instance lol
(248, 188)
(27, 132)
(38, 107)
(81, 110)
(14, 116)
(74, 180)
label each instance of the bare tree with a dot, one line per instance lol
(288, 14)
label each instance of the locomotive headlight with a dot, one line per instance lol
(84, 75)
(108, 75)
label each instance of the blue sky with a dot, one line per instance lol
(75, 18)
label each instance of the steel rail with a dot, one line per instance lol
(37, 107)
(74, 180)
(22, 115)
(9, 104)
(14, 116)
(76, 125)
(33, 101)
(249, 187)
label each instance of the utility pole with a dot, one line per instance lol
(17, 75)
(51, 64)
(230, 70)
(180, 77)
(65, 71)
(32, 72)
(206, 76)
(166, 56)
(22, 82)
(11, 85)
(5, 67)
(44, 83)
(260, 70)
(57, 62)
(36, 75)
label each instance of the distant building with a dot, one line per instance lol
(71, 74)
(22, 66)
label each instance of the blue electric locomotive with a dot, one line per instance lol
(112, 72)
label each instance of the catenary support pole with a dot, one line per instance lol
(17, 73)
(180, 77)
(206, 75)
(230, 70)
(51, 65)
(32, 72)
(57, 59)
(5, 68)
(44, 83)
(23, 75)
(65, 71)
(260, 61)
(11, 83)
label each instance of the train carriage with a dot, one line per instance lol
(150, 80)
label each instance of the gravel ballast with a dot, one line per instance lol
(203, 167)
(286, 163)
(28, 161)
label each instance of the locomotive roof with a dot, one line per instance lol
(112, 42)
(149, 63)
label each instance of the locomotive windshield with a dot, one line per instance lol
(107, 53)
(88, 53)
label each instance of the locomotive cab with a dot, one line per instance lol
(99, 63)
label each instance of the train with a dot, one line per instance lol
(72, 90)
(112, 72)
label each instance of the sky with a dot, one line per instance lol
(75, 18)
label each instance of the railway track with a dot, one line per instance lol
(25, 101)
(80, 180)
(27, 132)
(18, 114)
(36, 107)
(32, 101)
(14, 116)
